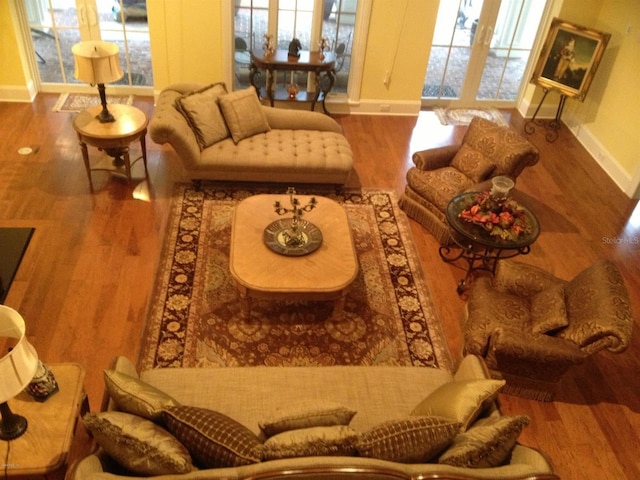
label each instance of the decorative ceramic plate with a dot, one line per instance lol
(277, 238)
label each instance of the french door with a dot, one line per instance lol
(480, 52)
(56, 25)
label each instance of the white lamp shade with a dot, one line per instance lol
(97, 62)
(17, 367)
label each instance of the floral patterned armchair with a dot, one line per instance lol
(531, 327)
(487, 150)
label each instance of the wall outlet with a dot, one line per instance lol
(387, 78)
(385, 107)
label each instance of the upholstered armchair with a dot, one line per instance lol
(487, 150)
(531, 327)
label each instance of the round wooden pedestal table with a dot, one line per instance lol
(114, 138)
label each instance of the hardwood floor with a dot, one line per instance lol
(86, 278)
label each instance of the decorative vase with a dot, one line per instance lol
(43, 384)
(501, 186)
(321, 55)
(292, 90)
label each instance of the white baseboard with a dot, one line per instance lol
(376, 107)
(605, 159)
(17, 93)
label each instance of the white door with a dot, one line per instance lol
(56, 25)
(480, 52)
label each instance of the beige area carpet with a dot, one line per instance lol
(73, 102)
(195, 318)
(462, 116)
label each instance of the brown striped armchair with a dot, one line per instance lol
(487, 150)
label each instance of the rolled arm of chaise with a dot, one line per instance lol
(435, 158)
(287, 119)
(168, 125)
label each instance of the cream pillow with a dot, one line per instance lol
(203, 114)
(243, 113)
(132, 395)
(487, 443)
(309, 442)
(138, 444)
(462, 400)
(305, 414)
(408, 440)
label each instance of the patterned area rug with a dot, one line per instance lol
(72, 102)
(462, 116)
(195, 318)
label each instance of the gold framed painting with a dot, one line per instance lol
(569, 58)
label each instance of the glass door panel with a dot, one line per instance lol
(480, 51)
(56, 25)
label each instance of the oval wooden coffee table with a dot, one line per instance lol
(325, 274)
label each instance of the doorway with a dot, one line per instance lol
(56, 25)
(481, 51)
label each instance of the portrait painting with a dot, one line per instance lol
(569, 58)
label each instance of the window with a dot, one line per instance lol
(307, 20)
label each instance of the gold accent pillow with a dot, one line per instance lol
(201, 110)
(472, 163)
(337, 440)
(132, 395)
(488, 443)
(306, 414)
(408, 440)
(213, 439)
(138, 444)
(462, 400)
(243, 113)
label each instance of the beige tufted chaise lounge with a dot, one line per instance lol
(293, 147)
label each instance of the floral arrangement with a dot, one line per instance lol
(501, 218)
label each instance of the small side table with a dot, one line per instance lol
(113, 138)
(41, 452)
(478, 248)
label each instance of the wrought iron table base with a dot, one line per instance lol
(478, 258)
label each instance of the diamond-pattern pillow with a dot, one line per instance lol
(203, 114)
(213, 439)
(408, 440)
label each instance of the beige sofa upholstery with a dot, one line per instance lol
(377, 394)
(299, 146)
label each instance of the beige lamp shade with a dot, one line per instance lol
(97, 62)
(17, 367)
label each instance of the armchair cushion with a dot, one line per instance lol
(438, 186)
(472, 163)
(548, 310)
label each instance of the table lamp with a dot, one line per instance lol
(17, 368)
(97, 63)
